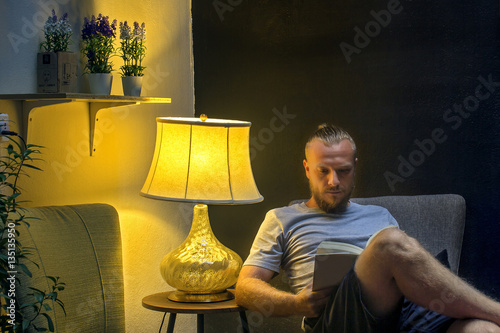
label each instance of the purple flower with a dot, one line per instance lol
(54, 17)
(98, 35)
(99, 26)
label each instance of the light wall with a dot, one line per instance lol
(125, 136)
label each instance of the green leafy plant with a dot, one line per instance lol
(98, 36)
(57, 33)
(15, 317)
(133, 48)
(39, 305)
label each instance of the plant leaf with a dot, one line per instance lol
(52, 278)
(25, 270)
(37, 290)
(49, 321)
(26, 324)
(52, 295)
(26, 305)
(61, 304)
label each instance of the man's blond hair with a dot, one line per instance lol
(330, 135)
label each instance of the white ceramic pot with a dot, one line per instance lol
(132, 85)
(100, 83)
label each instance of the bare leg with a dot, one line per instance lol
(395, 264)
(473, 326)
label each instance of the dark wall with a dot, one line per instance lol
(417, 90)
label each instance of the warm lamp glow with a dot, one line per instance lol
(206, 161)
(202, 162)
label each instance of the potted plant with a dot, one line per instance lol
(56, 67)
(98, 36)
(132, 51)
(16, 316)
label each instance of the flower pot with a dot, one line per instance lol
(132, 85)
(100, 83)
(56, 72)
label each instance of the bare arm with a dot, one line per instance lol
(254, 292)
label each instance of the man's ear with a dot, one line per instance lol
(306, 167)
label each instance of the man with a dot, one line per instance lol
(392, 270)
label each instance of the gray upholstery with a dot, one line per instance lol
(437, 221)
(82, 245)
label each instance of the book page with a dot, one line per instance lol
(337, 247)
(330, 269)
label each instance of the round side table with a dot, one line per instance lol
(160, 302)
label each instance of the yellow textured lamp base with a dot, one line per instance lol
(201, 268)
(181, 296)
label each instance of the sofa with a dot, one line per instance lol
(82, 245)
(436, 221)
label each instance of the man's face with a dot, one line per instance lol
(330, 170)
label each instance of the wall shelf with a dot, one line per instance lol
(31, 102)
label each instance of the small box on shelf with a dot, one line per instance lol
(56, 72)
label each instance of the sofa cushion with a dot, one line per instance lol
(82, 245)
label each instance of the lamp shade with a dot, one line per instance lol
(202, 161)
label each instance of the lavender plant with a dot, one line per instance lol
(57, 34)
(133, 48)
(98, 36)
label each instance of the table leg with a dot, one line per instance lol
(244, 322)
(201, 323)
(171, 322)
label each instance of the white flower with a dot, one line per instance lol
(57, 33)
(125, 31)
(53, 26)
(139, 32)
(63, 27)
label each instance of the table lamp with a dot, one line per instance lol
(204, 161)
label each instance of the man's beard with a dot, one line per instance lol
(331, 207)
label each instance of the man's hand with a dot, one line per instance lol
(311, 303)
(254, 292)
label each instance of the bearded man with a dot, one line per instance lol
(393, 269)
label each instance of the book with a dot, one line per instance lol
(331, 263)
(334, 259)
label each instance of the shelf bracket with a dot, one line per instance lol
(94, 109)
(30, 106)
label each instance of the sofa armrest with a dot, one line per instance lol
(82, 245)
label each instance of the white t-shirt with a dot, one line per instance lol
(289, 236)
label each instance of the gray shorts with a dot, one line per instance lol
(345, 312)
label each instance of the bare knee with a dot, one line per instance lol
(395, 245)
(473, 326)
